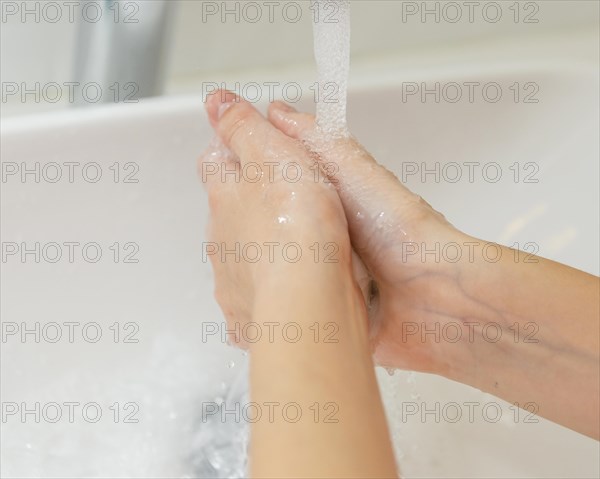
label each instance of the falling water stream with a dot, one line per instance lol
(222, 443)
(331, 32)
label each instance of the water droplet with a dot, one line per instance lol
(390, 371)
(231, 364)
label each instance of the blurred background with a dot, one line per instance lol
(64, 65)
(180, 46)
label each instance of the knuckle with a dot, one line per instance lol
(235, 123)
(236, 129)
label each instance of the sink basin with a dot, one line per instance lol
(130, 268)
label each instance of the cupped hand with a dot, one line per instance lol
(389, 228)
(270, 217)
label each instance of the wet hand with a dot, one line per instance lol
(271, 221)
(388, 224)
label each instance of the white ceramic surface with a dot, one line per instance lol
(168, 293)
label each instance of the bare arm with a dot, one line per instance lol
(548, 314)
(341, 431)
(548, 352)
(328, 373)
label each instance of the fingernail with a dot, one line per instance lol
(223, 107)
(228, 98)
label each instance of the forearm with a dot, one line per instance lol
(547, 353)
(328, 373)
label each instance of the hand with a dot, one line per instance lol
(258, 207)
(556, 370)
(387, 222)
(268, 205)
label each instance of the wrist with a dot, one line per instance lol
(464, 324)
(300, 264)
(482, 310)
(311, 297)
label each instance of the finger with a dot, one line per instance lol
(344, 151)
(365, 187)
(219, 172)
(217, 164)
(293, 123)
(347, 162)
(241, 127)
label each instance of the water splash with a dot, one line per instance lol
(221, 442)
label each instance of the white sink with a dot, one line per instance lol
(168, 293)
